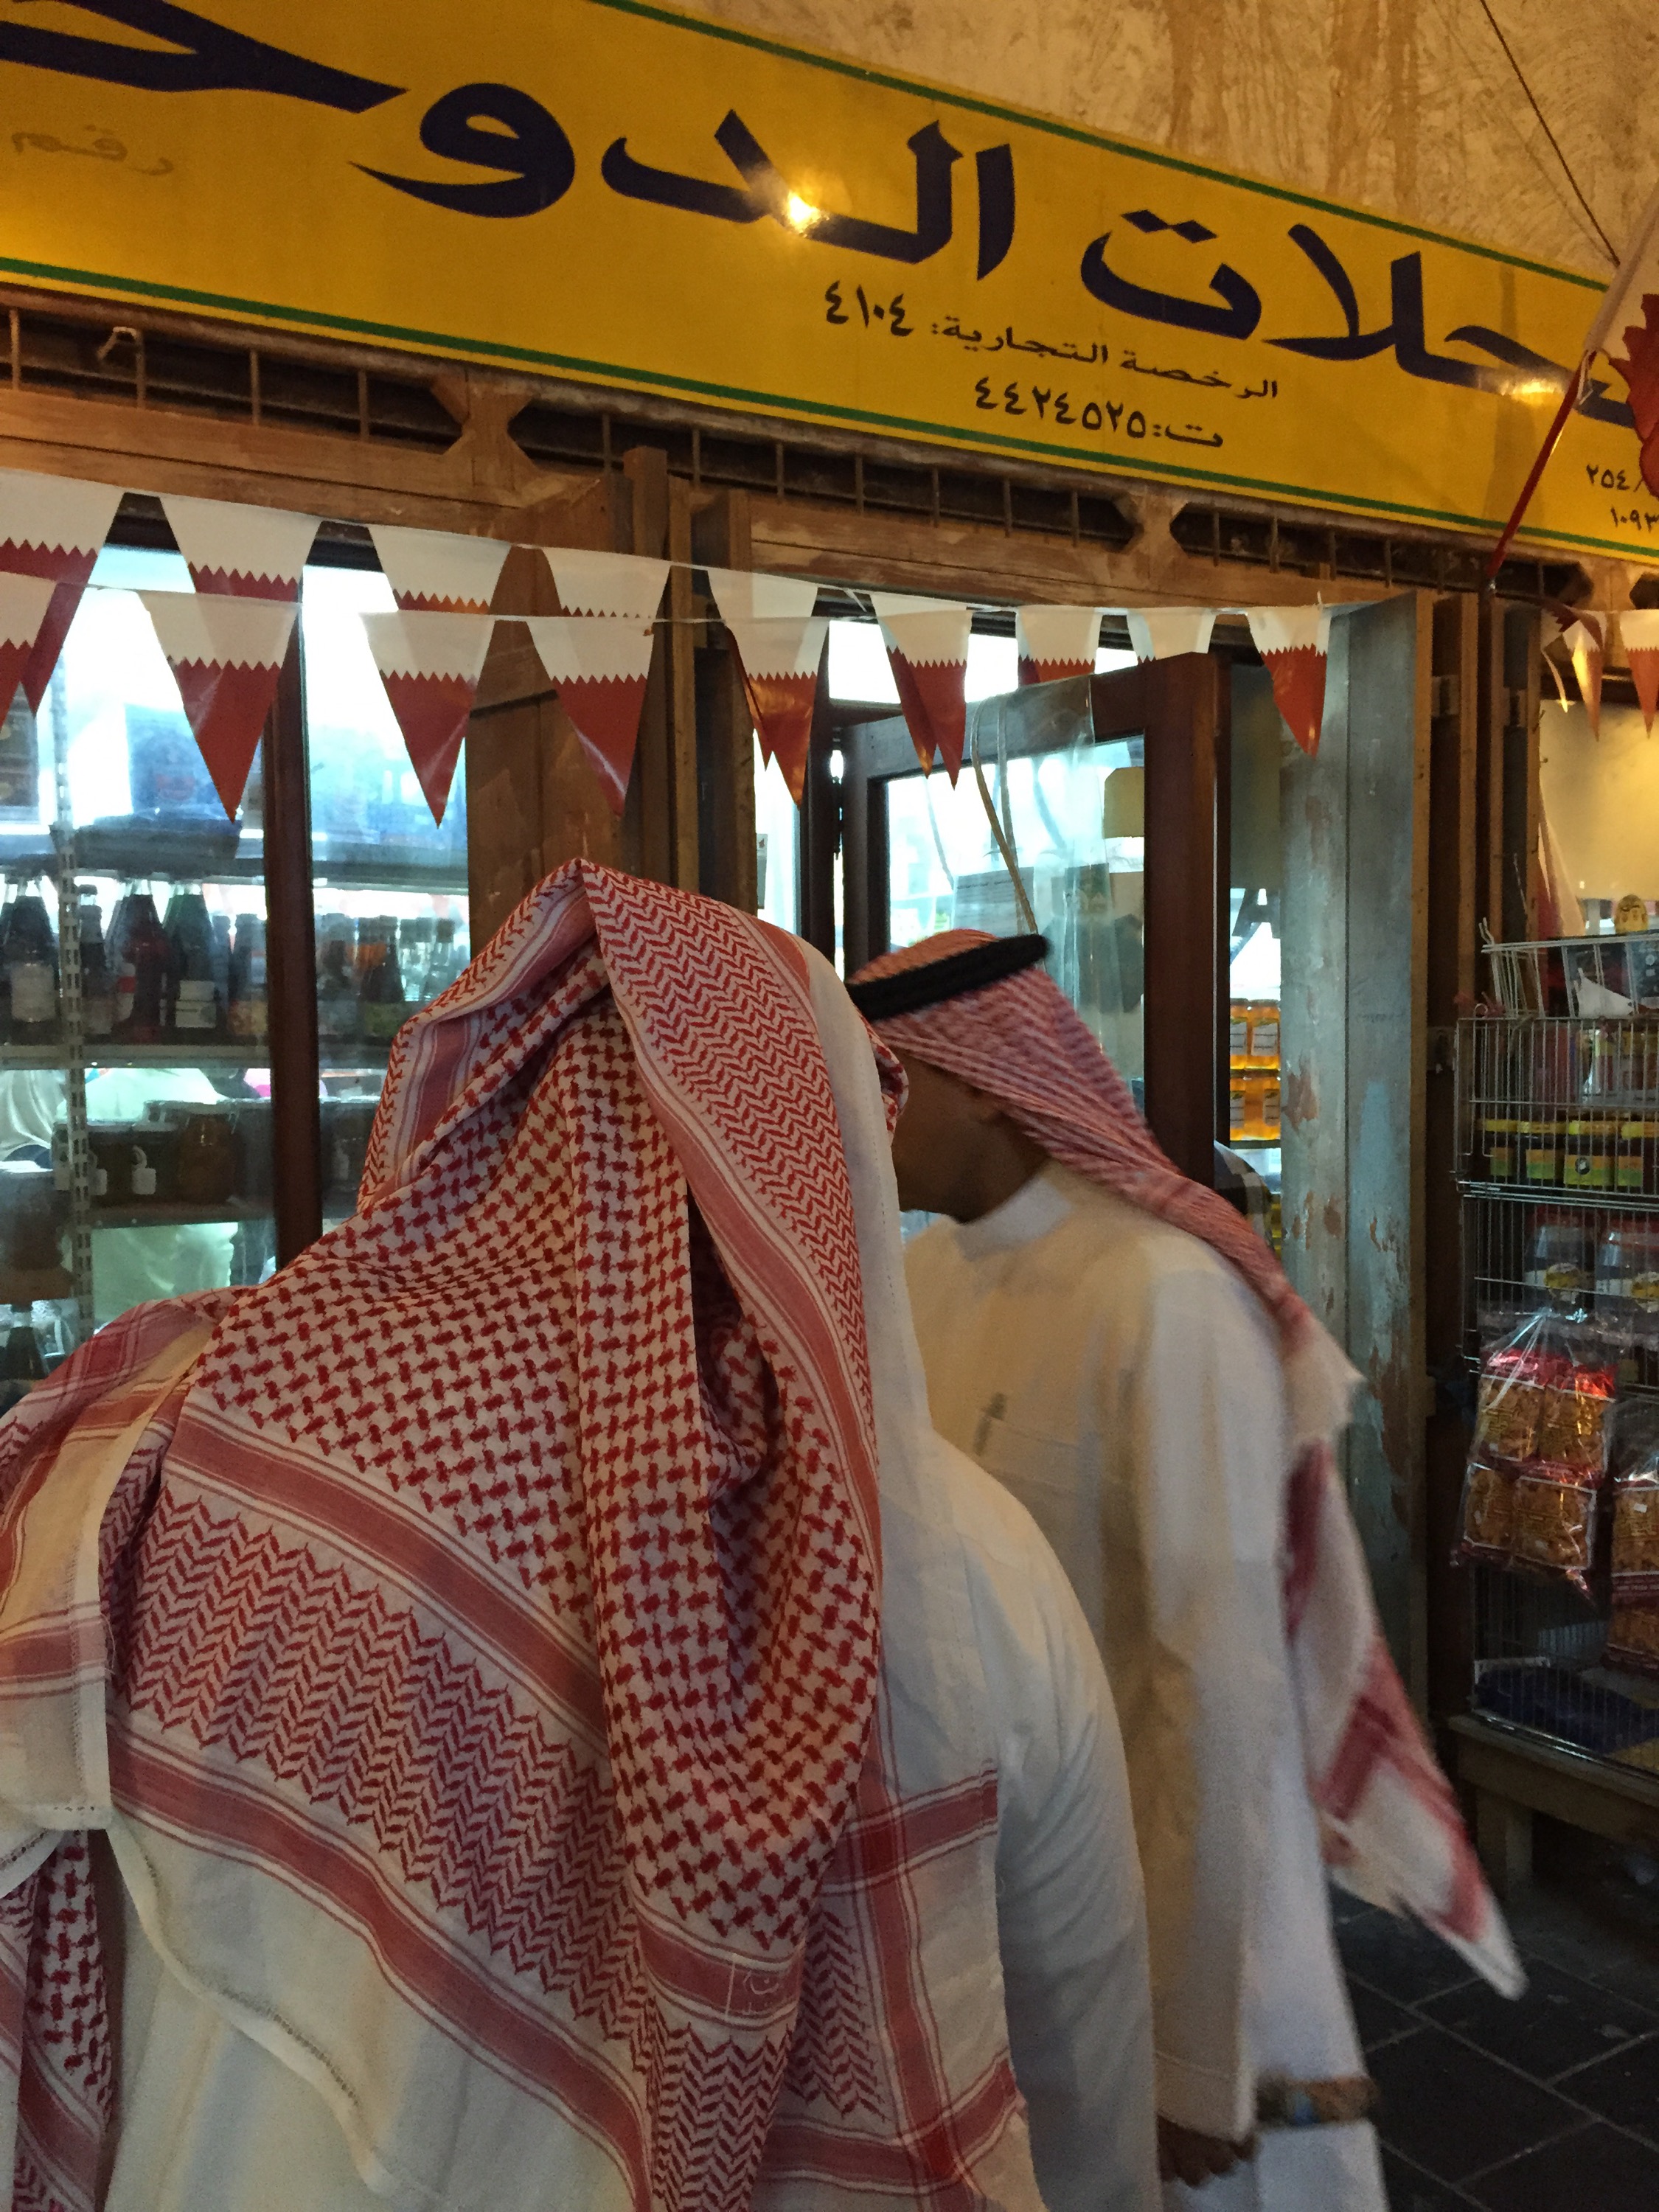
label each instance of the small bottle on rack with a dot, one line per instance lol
(5, 979)
(97, 989)
(337, 984)
(195, 1013)
(21, 1364)
(32, 971)
(250, 1011)
(418, 945)
(140, 959)
(381, 1007)
(449, 954)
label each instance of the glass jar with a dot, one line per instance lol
(206, 1170)
(1559, 1263)
(1500, 1131)
(1540, 1146)
(1587, 1163)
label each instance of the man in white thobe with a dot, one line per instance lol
(1120, 1366)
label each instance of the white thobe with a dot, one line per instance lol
(1123, 1383)
(212, 2122)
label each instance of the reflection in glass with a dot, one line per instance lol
(1072, 819)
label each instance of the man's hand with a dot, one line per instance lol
(1183, 2155)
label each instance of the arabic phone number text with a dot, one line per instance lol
(1107, 415)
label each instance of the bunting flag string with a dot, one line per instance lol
(926, 642)
(55, 527)
(226, 653)
(438, 571)
(430, 663)
(753, 595)
(1293, 642)
(1164, 633)
(242, 552)
(23, 604)
(1639, 628)
(778, 661)
(1584, 635)
(599, 665)
(1055, 642)
(591, 583)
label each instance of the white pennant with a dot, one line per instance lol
(1057, 636)
(1162, 633)
(424, 643)
(262, 546)
(23, 604)
(65, 513)
(591, 649)
(780, 647)
(204, 629)
(743, 595)
(929, 633)
(440, 567)
(606, 583)
(1282, 629)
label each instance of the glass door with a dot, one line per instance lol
(1104, 792)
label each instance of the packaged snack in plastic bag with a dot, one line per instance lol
(1543, 1439)
(1633, 1638)
(1635, 1509)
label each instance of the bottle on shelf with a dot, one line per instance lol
(450, 953)
(31, 957)
(97, 986)
(249, 1011)
(418, 944)
(139, 959)
(195, 1013)
(222, 956)
(21, 1364)
(5, 979)
(381, 1007)
(337, 981)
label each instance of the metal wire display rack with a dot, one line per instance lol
(1557, 1133)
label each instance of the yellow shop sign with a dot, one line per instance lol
(615, 192)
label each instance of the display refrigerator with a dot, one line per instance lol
(195, 1011)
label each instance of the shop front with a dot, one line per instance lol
(558, 356)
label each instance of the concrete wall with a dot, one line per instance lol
(1409, 106)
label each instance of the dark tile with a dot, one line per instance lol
(1411, 2189)
(1378, 2019)
(1397, 1957)
(1452, 2110)
(1345, 1906)
(1559, 1931)
(1623, 2087)
(1594, 2170)
(1560, 2021)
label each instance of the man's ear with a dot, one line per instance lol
(979, 1105)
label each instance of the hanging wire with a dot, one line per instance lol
(1004, 836)
(1555, 147)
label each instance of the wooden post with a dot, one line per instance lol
(291, 968)
(648, 839)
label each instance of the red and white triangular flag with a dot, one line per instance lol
(52, 527)
(438, 571)
(1293, 642)
(751, 595)
(779, 660)
(1054, 642)
(1639, 628)
(245, 552)
(23, 604)
(1164, 633)
(606, 583)
(1585, 639)
(599, 665)
(927, 651)
(226, 654)
(430, 664)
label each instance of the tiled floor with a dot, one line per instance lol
(1547, 2104)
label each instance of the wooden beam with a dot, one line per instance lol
(681, 735)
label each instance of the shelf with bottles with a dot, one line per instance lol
(1253, 1093)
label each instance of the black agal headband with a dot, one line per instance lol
(909, 989)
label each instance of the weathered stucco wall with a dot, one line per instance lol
(1409, 106)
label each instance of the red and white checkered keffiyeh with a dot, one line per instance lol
(1388, 1819)
(471, 1638)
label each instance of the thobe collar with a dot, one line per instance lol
(1035, 1207)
